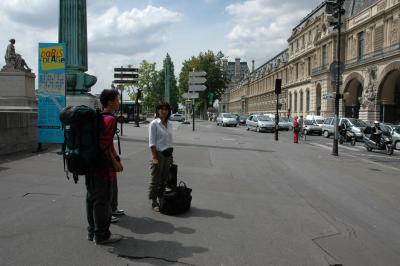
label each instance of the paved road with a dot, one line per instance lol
(255, 202)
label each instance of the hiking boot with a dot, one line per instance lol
(114, 219)
(112, 239)
(90, 237)
(118, 213)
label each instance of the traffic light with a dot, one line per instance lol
(333, 9)
(139, 94)
(278, 86)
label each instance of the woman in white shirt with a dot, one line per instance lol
(160, 143)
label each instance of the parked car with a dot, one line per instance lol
(260, 123)
(284, 123)
(319, 120)
(356, 125)
(226, 119)
(394, 131)
(311, 127)
(242, 119)
(177, 117)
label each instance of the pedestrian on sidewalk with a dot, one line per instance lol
(296, 130)
(99, 184)
(160, 143)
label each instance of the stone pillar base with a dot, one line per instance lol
(18, 112)
(18, 131)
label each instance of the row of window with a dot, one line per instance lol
(296, 107)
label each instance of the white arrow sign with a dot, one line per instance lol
(197, 74)
(191, 95)
(197, 88)
(197, 80)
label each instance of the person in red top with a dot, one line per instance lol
(99, 185)
(296, 130)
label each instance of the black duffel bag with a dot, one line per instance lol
(177, 200)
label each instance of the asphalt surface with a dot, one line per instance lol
(255, 202)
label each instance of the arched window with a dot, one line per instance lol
(307, 100)
(295, 102)
(301, 101)
(290, 101)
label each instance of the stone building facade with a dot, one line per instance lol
(371, 53)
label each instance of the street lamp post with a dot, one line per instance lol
(278, 90)
(338, 11)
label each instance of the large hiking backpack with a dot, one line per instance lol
(81, 150)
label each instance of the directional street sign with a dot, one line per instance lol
(197, 80)
(191, 95)
(197, 74)
(126, 69)
(125, 81)
(197, 87)
(196, 83)
(327, 96)
(125, 75)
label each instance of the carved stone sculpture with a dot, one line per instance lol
(14, 61)
(370, 90)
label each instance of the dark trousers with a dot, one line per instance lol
(98, 208)
(114, 195)
(160, 174)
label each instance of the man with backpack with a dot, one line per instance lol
(100, 184)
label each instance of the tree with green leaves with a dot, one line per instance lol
(174, 93)
(152, 84)
(216, 83)
(149, 82)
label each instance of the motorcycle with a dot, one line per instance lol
(346, 135)
(377, 141)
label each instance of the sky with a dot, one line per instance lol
(122, 32)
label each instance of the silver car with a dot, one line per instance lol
(226, 119)
(356, 125)
(284, 124)
(394, 131)
(311, 127)
(177, 117)
(260, 123)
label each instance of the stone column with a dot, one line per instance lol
(73, 32)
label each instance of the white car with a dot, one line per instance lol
(316, 119)
(177, 117)
(227, 119)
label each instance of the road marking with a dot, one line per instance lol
(226, 139)
(354, 148)
(320, 145)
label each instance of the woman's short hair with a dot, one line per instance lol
(108, 95)
(162, 105)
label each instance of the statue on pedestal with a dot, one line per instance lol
(14, 61)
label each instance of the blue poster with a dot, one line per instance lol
(51, 92)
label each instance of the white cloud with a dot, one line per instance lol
(115, 37)
(261, 27)
(130, 32)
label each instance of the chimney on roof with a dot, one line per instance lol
(237, 69)
(252, 65)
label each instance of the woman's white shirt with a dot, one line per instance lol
(159, 135)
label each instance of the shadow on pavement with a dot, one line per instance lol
(205, 213)
(145, 225)
(160, 252)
